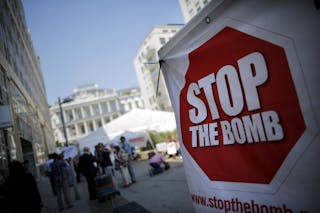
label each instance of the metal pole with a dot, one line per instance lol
(63, 124)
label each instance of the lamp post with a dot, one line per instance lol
(63, 124)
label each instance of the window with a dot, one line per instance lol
(72, 130)
(69, 115)
(90, 124)
(95, 109)
(106, 120)
(130, 105)
(78, 113)
(87, 112)
(162, 40)
(99, 123)
(82, 128)
(104, 107)
(113, 106)
(3, 90)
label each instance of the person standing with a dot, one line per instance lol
(121, 164)
(87, 167)
(49, 173)
(104, 160)
(60, 181)
(21, 190)
(102, 155)
(127, 148)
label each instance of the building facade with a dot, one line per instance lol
(89, 108)
(22, 90)
(190, 8)
(147, 68)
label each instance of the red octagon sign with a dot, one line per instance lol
(239, 111)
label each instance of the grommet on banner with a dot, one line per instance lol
(208, 20)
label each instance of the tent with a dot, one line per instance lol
(143, 119)
(133, 126)
(135, 138)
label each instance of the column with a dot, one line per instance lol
(77, 130)
(74, 115)
(82, 112)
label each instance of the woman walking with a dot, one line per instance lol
(121, 164)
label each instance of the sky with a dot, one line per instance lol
(83, 42)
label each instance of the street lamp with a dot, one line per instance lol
(63, 124)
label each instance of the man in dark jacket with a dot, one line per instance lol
(87, 167)
(21, 190)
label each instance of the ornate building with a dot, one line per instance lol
(88, 108)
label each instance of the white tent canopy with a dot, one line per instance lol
(133, 126)
(136, 138)
(143, 119)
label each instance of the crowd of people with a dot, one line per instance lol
(65, 173)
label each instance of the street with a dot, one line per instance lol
(166, 192)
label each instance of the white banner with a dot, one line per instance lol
(243, 78)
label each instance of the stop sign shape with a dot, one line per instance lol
(239, 111)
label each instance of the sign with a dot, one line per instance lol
(161, 147)
(247, 107)
(69, 151)
(5, 117)
(171, 148)
(231, 105)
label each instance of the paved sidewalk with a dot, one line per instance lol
(166, 192)
(84, 205)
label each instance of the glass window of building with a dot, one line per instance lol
(113, 105)
(69, 115)
(78, 113)
(72, 130)
(3, 90)
(90, 125)
(162, 40)
(87, 112)
(82, 129)
(99, 123)
(95, 109)
(106, 120)
(104, 107)
(130, 105)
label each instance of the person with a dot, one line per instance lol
(127, 148)
(89, 170)
(71, 177)
(60, 181)
(26, 165)
(102, 155)
(121, 164)
(104, 160)
(155, 162)
(49, 172)
(21, 190)
(75, 162)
